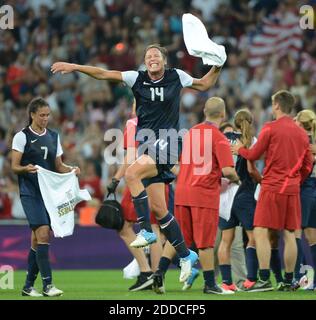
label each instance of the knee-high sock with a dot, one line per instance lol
(171, 229)
(142, 210)
(43, 263)
(32, 269)
(313, 253)
(252, 264)
(299, 260)
(275, 264)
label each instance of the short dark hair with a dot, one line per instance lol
(225, 125)
(34, 105)
(163, 50)
(285, 99)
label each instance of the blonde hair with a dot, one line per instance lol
(243, 121)
(307, 119)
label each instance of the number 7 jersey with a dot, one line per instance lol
(157, 101)
(38, 149)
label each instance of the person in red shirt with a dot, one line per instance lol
(205, 157)
(288, 161)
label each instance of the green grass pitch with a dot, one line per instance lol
(110, 285)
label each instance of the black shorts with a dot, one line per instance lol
(308, 205)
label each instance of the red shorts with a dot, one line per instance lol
(278, 211)
(198, 225)
(129, 210)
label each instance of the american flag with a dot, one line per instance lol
(279, 34)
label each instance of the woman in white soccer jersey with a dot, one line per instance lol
(37, 145)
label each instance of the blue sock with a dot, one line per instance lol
(42, 259)
(275, 264)
(226, 271)
(142, 210)
(264, 274)
(171, 230)
(164, 263)
(313, 253)
(176, 261)
(32, 269)
(209, 278)
(299, 259)
(252, 264)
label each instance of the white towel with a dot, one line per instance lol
(132, 270)
(198, 43)
(61, 193)
(227, 196)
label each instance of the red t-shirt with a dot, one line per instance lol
(287, 155)
(130, 133)
(205, 152)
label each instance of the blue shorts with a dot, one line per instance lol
(163, 177)
(242, 213)
(165, 153)
(308, 205)
(35, 211)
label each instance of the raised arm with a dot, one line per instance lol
(95, 72)
(207, 81)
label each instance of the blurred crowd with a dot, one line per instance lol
(113, 34)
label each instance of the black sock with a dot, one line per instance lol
(164, 263)
(275, 264)
(299, 260)
(209, 278)
(288, 277)
(142, 210)
(32, 269)
(43, 263)
(172, 231)
(264, 274)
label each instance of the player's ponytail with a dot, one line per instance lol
(307, 119)
(34, 105)
(243, 121)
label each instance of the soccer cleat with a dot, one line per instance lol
(31, 292)
(189, 282)
(286, 287)
(248, 284)
(143, 239)
(261, 286)
(52, 291)
(143, 282)
(158, 284)
(229, 287)
(186, 265)
(216, 290)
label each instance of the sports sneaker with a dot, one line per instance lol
(261, 286)
(143, 239)
(287, 287)
(31, 292)
(216, 290)
(186, 265)
(143, 282)
(52, 291)
(189, 282)
(248, 284)
(229, 287)
(158, 284)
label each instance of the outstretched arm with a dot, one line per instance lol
(95, 72)
(207, 81)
